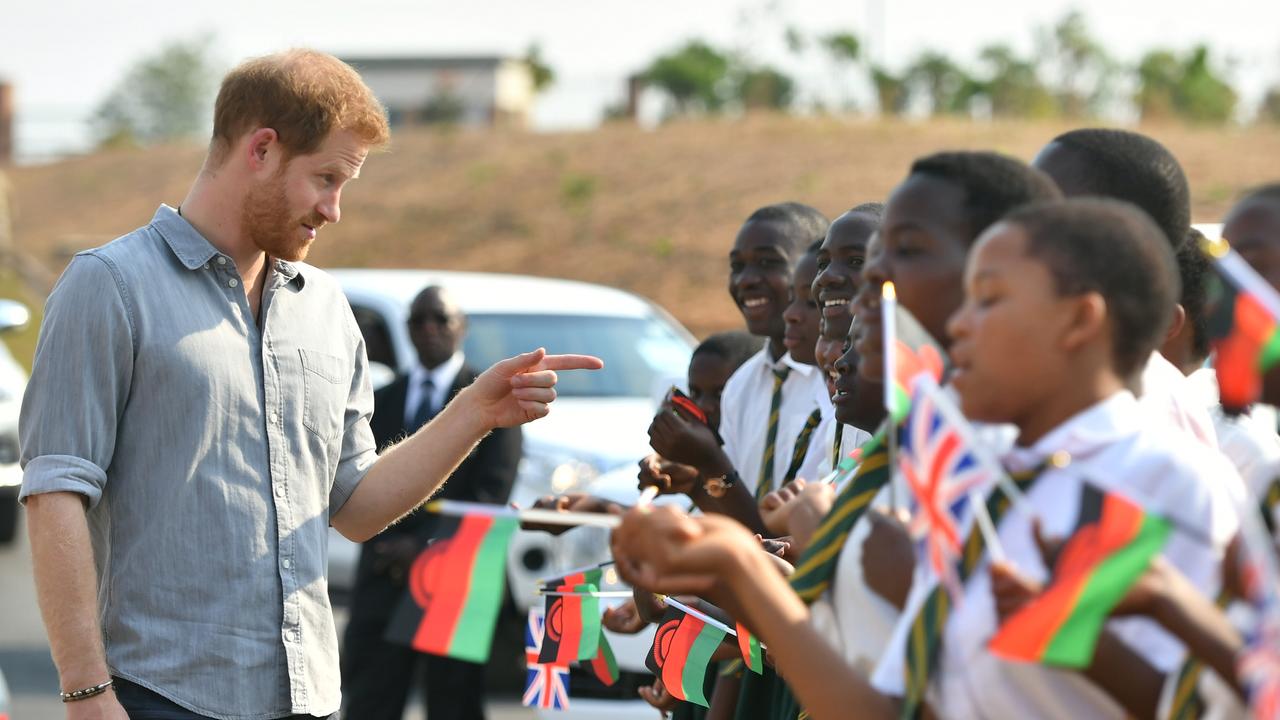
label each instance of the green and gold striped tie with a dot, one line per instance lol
(925, 639)
(1187, 703)
(802, 446)
(817, 564)
(765, 486)
(835, 447)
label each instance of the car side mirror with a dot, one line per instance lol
(13, 315)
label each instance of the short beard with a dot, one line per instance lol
(265, 221)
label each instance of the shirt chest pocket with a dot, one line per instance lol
(326, 383)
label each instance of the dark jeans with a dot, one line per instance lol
(142, 704)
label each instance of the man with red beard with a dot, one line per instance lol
(198, 416)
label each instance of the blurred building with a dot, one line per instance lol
(470, 91)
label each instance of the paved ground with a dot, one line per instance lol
(24, 649)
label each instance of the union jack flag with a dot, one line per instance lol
(545, 686)
(941, 471)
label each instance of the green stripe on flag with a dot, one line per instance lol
(695, 665)
(1073, 644)
(1270, 354)
(589, 638)
(473, 633)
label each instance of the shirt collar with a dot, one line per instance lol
(442, 376)
(1099, 424)
(194, 251)
(786, 361)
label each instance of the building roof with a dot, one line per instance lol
(424, 62)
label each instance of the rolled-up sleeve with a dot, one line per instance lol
(359, 451)
(79, 383)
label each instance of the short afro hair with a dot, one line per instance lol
(1129, 166)
(1114, 249)
(734, 347)
(993, 184)
(800, 223)
(873, 210)
(1193, 271)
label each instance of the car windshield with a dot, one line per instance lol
(639, 353)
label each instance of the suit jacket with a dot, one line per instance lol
(486, 475)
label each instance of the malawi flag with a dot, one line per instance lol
(914, 352)
(750, 646)
(1111, 547)
(455, 589)
(1246, 345)
(603, 666)
(681, 652)
(572, 626)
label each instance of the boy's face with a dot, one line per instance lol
(858, 401)
(707, 375)
(840, 261)
(760, 267)
(827, 351)
(801, 315)
(922, 247)
(1007, 349)
(1253, 230)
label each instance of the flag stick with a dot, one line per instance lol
(597, 593)
(575, 571)
(535, 515)
(889, 323)
(698, 614)
(985, 526)
(647, 496)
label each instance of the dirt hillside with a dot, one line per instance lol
(649, 211)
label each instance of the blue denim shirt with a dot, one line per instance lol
(212, 451)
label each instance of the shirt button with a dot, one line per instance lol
(287, 563)
(222, 260)
(232, 282)
(274, 418)
(279, 490)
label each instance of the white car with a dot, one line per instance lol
(13, 381)
(590, 442)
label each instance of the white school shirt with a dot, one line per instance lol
(1115, 447)
(744, 416)
(1248, 440)
(1168, 396)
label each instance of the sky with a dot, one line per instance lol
(63, 56)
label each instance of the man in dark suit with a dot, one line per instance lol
(376, 674)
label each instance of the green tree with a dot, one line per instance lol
(164, 96)
(947, 86)
(891, 90)
(694, 76)
(764, 88)
(845, 50)
(1013, 85)
(1189, 88)
(543, 74)
(1084, 70)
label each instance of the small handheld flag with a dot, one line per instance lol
(603, 666)
(455, 590)
(1111, 547)
(572, 626)
(545, 686)
(1242, 327)
(682, 649)
(750, 647)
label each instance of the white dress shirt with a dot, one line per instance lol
(1114, 447)
(1249, 441)
(1167, 395)
(442, 378)
(744, 417)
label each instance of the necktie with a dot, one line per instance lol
(817, 565)
(426, 408)
(765, 486)
(1187, 703)
(925, 638)
(802, 446)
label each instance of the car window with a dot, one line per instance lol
(638, 353)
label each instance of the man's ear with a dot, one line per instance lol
(1086, 319)
(262, 150)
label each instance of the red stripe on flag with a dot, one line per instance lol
(441, 583)
(1028, 633)
(1239, 354)
(678, 654)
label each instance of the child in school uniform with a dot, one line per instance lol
(1132, 167)
(1064, 303)
(770, 399)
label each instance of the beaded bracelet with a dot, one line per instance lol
(84, 693)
